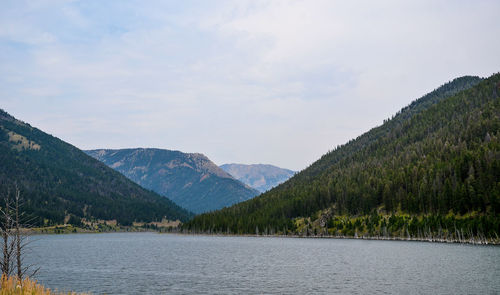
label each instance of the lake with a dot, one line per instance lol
(151, 263)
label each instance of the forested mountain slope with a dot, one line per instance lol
(190, 180)
(58, 180)
(261, 177)
(431, 170)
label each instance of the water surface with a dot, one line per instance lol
(150, 263)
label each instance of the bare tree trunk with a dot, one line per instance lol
(18, 239)
(6, 225)
(5, 260)
(14, 241)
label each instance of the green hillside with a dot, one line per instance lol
(58, 180)
(431, 170)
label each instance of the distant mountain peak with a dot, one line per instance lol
(189, 179)
(196, 161)
(261, 177)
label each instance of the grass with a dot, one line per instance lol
(12, 286)
(22, 143)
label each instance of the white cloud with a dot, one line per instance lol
(277, 82)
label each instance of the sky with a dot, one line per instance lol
(274, 82)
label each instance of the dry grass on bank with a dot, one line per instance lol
(12, 286)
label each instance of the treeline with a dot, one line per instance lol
(58, 180)
(438, 156)
(476, 229)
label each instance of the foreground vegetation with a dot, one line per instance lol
(14, 225)
(13, 286)
(432, 170)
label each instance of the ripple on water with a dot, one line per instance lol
(138, 263)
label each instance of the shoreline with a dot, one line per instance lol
(375, 238)
(50, 231)
(68, 229)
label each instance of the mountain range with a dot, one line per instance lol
(57, 181)
(261, 177)
(430, 171)
(191, 180)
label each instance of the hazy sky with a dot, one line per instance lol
(278, 82)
